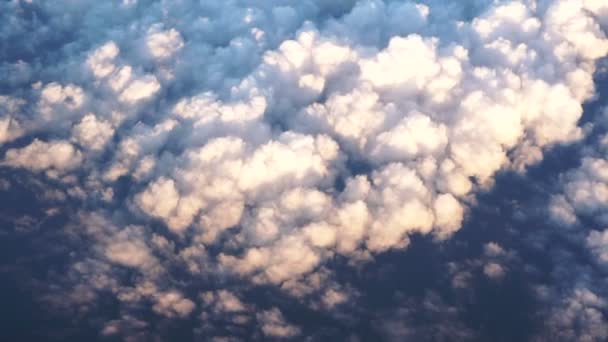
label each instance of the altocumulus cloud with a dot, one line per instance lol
(247, 144)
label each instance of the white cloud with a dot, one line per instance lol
(101, 61)
(59, 156)
(493, 249)
(10, 128)
(273, 324)
(92, 133)
(223, 301)
(598, 243)
(585, 192)
(127, 247)
(173, 303)
(139, 89)
(493, 270)
(278, 136)
(163, 44)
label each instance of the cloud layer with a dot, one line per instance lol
(259, 141)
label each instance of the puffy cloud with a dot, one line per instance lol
(57, 100)
(223, 301)
(161, 199)
(163, 44)
(598, 243)
(493, 249)
(10, 128)
(101, 61)
(493, 270)
(58, 156)
(259, 140)
(128, 248)
(579, 208)
(585, 192)
(448, 214)
(129, 83)
(273, 324)
(579, 318)
(290, 257)
(414, 135)
(173, 303)
(92, 133)
(494, 263)
(137, 89)
(400, 201)
(137, 153)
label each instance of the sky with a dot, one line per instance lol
(312, 170)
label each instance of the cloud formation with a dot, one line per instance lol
(258, 141)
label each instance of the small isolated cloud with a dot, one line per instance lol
(493, 270)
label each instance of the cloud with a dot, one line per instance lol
(258, 142)
(127, 248)
(579, 318)
(126, 325)
(92, 132)
(10, 128)
(493, 270)
(55, 156)
(495, 263)
(172, 303)
(409, 320)
(273, 324)
(585, 192)
(577, 303)
(223, 301)
(163, 44)
(598, 243)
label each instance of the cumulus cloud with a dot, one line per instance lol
(92, 132)
(173, 303)
(579, 209)
(274, 325)
(598, 243)
(163, 44)
(579, 318)
(10, 128)
(258, 140)
(585, 192)
(494, 263)
(493, 270)
(127, 248)
(223, 301)
(59, 156)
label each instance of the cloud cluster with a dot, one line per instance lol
(579, 210)
(260, 140)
